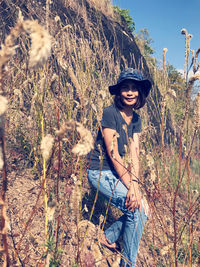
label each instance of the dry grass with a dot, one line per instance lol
(105, 6)
(52, 113)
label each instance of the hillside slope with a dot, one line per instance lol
(85, 18)
(50, 204)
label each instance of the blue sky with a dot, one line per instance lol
(164, 21)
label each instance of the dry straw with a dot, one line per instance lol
(75, 82)
(188, 38)
(6, 225)
(18, 94)
(1, 158)
(113, 144)
(75, 200)
(197, 111)
(184, 32)
(164, 58)
(3, 108)
(151, 165)
(195, 57)
(97, 254)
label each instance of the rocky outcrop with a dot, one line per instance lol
(88, 22)
(85, 18)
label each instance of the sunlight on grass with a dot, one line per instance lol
(53, 91)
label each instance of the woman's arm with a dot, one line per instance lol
(134, 197)
(112, 149)
(134, 150)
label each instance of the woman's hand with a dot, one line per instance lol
(133, 199)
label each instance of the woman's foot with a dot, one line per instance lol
(104, 241)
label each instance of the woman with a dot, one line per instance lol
(119, 134)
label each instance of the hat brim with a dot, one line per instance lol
(145, 86)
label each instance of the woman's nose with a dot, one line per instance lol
(130, 91)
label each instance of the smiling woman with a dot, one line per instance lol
(126, 88)
(114, 167)
(129, 93)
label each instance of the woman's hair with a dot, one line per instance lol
(141, 100)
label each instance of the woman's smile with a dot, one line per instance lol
(130, 98)
(129, 93)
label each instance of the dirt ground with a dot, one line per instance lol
(26, 237)
(25, 207)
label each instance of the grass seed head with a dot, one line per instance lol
(51, 210)
(3, 104)
(189, 36)
(40, 43)
(86, 143)
(184, 31)
(46, 146)
(171, 92)
(57, 18)
(8, 50)
(67, 126)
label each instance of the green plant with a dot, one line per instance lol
(57, 258)
(125, 13)
(183, 254)
(144, 42)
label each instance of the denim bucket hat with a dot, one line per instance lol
(136, 76)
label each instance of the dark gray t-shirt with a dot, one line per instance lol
(113, 119)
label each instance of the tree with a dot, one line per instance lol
(144, 42)
(175, 78)
(177, 84)
(125, 13)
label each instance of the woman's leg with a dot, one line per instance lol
(131, 224)
(133, 228)
(106, 186)
(115, 230)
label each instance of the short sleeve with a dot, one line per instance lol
(108, 118)
(137, 124)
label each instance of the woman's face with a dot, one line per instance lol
(129, 93)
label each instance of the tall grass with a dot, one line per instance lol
(168, 165)
(52, 113)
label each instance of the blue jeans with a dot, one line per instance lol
(130, 225)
